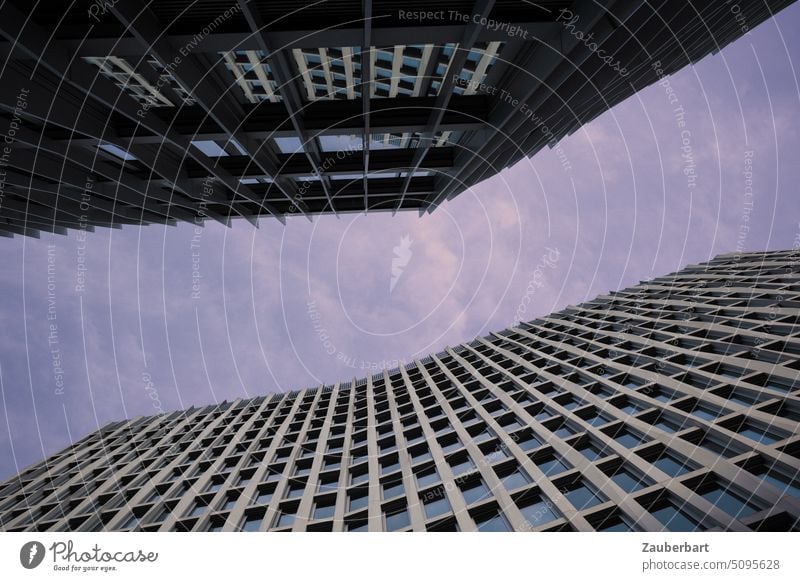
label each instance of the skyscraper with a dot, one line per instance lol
(671, 405)
(155, 112)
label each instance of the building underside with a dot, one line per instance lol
(140, 113)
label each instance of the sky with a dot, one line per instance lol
(136, 321)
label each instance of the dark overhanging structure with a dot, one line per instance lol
(157, 112)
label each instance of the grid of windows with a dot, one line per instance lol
(493, 435)
(380, 112)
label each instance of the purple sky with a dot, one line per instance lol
(287, 307)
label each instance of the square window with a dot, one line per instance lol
(475, 492)
(582, 497)
(324, 511)
(251, 523)
(198, 508)
(390, 467)
(357, 501)
(552, 465)
(357, 526)
(453, 445)
(672, 466)
(494, 522)
(285, 518)
(264, 496)
(392, 489)
(515, 480)
(538, 511)
(397, 519)
(420, 455)
(461, 466)
(675, 519)
(779, 481)
(758, 434)
(629, 439)
(427, 477)
(591, 451)
(332, 464)
(437, 506)
(727, 500)
(628, 481)
(614, 524)
(529, 442)
(295, 490)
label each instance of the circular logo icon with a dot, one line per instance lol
(31, 554)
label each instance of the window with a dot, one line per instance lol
(492, 522)
(475, 492)
(420, 454)
(358, 499)
(285, 517)
(596, 419)
(392, 489)
(732, 503)
(551, 465)
(538, 511)
(359, 477)
(673, 466)
(332, 463)
(117, 152)
(210, 148)
(581, 496)
(251, 522)
(461, 465)
(515, 480)
(495, 453)
(230, 502)
(324, 509)
(397, 519)
(264, 496)
(590, 450)
(427, 477)
(628, 438)
(675, 519)
(296, 489)
(564, 430)
(614, 523)
(359, 526)
(436, 505)
(529, 442)
(778, 480)
(390, 465)
(758, 434)
(628, 481)
(197, 508)
(706, 412)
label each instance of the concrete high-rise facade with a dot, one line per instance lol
(155, 112)
(672, 405)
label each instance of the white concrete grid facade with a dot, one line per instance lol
(672, 405)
